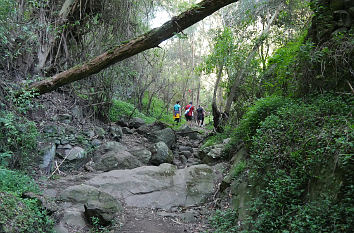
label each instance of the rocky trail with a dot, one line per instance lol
(145, 178)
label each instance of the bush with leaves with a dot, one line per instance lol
(253, 118)
(302, 167)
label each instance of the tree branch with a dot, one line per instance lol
(144, 42)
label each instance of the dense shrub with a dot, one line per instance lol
(326, 66)
(18, 214)
(301, 168)
(301, 164)
(224, 221)
(252, 119)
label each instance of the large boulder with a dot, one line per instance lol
(116, 132)
(142, 154)
(116, 160)
(186, 131)
(110, 146)
(75, 153)
(113, 155)
(161, 154)
(211, 154)
(48, 158)
(136, 122)
(146, 130)
(162, 186)
(96, 202)
(166, 135)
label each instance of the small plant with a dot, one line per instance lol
(97, 227)
(224, 221)
(238, 169)
(15, 182)
(24, 101)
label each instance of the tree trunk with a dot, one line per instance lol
(240, 76)
(214, 107)
(146, 41)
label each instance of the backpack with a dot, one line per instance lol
(187, 111)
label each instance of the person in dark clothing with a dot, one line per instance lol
(200, 116)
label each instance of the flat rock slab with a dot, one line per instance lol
(162, 186)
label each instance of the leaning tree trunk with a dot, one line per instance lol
(146, 41)
(241, 74)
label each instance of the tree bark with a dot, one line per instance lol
(242, 72)
(214, 107)
(144, 42)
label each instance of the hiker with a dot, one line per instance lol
(177, 112)
(189, 113)
(200, 116)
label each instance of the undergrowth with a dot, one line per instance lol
(300, 169)
(19, 214)
(18, 140)
(252, 120)
(122, 110)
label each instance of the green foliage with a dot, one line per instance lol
(25, 101)
(158, 110)
(19, 214)
(18, 139)
(7, 7)
(301, 169)
(121, 109)
(282, 68)
(238, 169)
(253, 118)
(224, 221)
(218, 137)
(221, 54)
(326, 66)
(16, 183)
(17, 32)
(301, 164)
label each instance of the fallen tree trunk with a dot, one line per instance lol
(144, 42)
